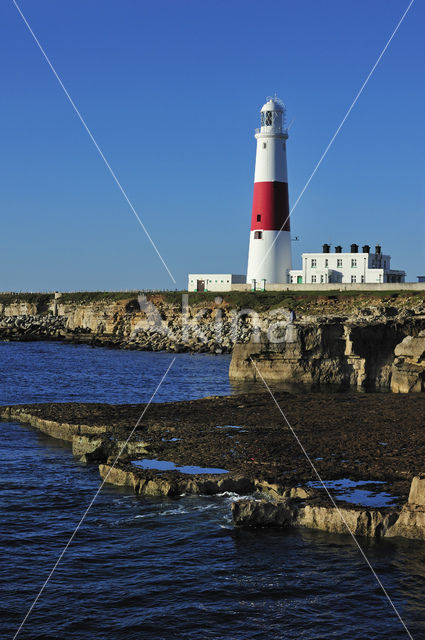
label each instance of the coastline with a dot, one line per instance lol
(361, 437)
(362, 340)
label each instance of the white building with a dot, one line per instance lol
(347, 268)
(213, 281)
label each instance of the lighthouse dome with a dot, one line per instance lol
(273, 116)
(273, 104)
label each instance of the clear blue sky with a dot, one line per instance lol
(172, 93)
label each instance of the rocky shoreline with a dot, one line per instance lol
(373, 438)
(362, 341)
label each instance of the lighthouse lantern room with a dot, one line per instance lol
(269, 259)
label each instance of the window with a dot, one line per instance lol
(258, 217)
(362, 278)
(313, 263)
(339, 262)
(321, 279)
(326, 262)
(313, 278)
(258, 235)
(264, 145)
(267, 118)
(353, 279)
(353, 262)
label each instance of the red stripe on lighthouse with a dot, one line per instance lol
(270, 208)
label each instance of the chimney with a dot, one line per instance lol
(338, 249)
(354, 248)
(366, 248)
(378, 249)
(326, 248)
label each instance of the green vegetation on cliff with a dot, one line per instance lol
(34, 298)
(310, 302)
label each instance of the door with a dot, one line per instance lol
(299, 279)
(200, 285)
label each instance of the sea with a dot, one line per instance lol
(168, 569)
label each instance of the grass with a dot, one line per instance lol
(317, 301)
(35, 298)
(84, 297)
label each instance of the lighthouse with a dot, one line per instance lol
(269, 259)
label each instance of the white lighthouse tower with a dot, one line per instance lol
(269, 259)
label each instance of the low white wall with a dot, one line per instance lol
(387, 286)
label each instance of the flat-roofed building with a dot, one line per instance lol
(353, 267)
(213, 281)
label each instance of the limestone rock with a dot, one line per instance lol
(346, 351)
(119, 476)
(92, 449)
(277, 490)
(262, 513)
(287, 513)
(172, 483)
(375, 347)
(417, 491)
(362, 522)
(409, 522)
(408, 369)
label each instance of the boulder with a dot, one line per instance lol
(408, 369)
(263, 513)
(90, 449)
(417, 491)
(119, 476)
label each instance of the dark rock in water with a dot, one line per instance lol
(263, 513)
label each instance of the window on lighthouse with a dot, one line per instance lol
(266, 118)
(258, 235)
(258, 217)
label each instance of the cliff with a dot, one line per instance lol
(375, 348)
(358, 339)
(154, 321)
